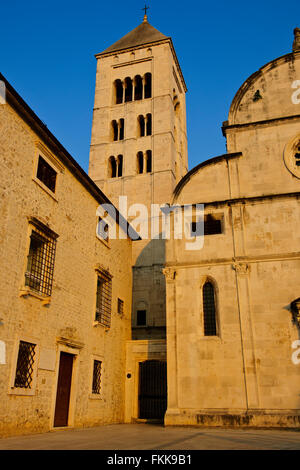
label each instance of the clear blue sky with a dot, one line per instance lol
(47, 54)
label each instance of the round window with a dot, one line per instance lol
(292, 156)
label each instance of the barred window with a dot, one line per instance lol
(103, 298)
(120, 306)
(96, 387)
(40, 263)
(25, 363)
(209, 310)
(46, 174)
(297, 156)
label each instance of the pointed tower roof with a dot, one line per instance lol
(142, 34)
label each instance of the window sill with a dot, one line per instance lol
(44, 187)
(211, 338)
(21, 391)
(26, 292)
(98, 323)
(95, 396)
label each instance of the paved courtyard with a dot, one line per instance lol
(155, 437)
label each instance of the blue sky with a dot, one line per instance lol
(48, 50)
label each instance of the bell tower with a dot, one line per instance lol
(139, 149)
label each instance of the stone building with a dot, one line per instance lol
(143, 328)
(65, 290)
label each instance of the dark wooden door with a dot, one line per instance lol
(63, 390)
(153, 390)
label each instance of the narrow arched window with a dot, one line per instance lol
(149, 124)
(141, 121)
(112, 167)
(121, 129)
(114, 126)
(128, 89)
(120, 165)
(140, 162)
(147, 85)
(118, 91)
(138, 88)
(209, 309)
(149, 161)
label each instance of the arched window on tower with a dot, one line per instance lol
(114, 126)
(149, 124)
(138, 88)
(121, 129)
(147, 85)
(128, 89)
(141, 126)
(112, 167)
(140, 162)
(118, 92)
(149, 161)
(120, 165)
(209, 309)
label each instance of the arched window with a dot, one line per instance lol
(138, 88)
(118, 91)
(121, 129)
(140, 162)
(149, 161)
(112, 167)
(209, 309)
(114, 126)
(128, 89)
(147, 85)
(141, 121)
(120, 165)
(149, 124)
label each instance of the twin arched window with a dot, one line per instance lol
(144, 125)
(144, 162)
(115, 166)
(209, 309)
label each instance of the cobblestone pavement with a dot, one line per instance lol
(155, 437)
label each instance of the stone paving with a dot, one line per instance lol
(155, 437)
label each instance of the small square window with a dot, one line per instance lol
(46, 174)
(25, 365)
(212, 225)
(141, 317)
(96, 388)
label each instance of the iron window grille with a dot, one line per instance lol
(96, 387)
(209, 310)
(40, 262)
(103, 299)
(120, 307)
(25, 363)
(46, 174)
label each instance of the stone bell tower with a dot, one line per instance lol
(139, 149)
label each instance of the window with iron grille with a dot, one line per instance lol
(96, 387)
(103, 298)
(297, 156)
(40, 262)
(120, 306)
(209, 310)
(46, 174)
(25, 365)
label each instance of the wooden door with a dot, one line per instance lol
(63, 390)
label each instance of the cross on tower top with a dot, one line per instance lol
(145, 9)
